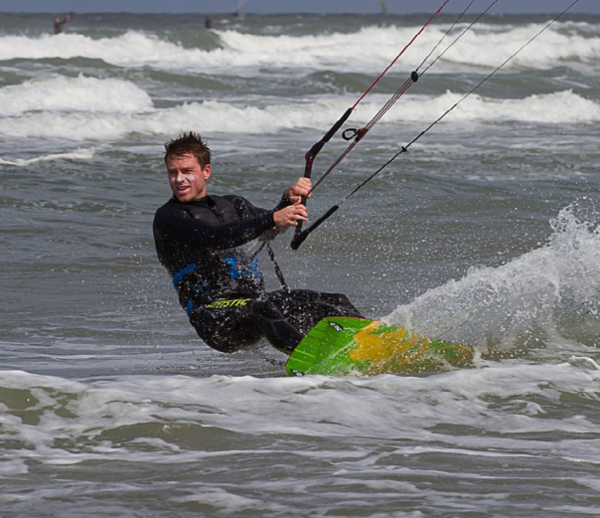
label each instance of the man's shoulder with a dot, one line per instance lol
(239, 201)
(168, 203)
(173, 204)
(168, 207)
(207, 209)
(232, 198)
(199, 210)
(232, 201)
(173, 208)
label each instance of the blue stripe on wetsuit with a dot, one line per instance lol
(235, 272)
(182, 273)
(177, 279)
(190, 303)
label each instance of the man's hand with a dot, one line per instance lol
(301, 188)
(291, 215)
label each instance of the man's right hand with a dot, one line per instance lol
(291, 215)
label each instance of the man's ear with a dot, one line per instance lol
(206, 171)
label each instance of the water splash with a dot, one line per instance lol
(547, 298)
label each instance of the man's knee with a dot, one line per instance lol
(225, 332)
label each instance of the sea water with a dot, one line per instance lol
(486, 232)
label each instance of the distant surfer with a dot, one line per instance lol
(240, 11)
(209, 245)
(58, 23)
(384, 10)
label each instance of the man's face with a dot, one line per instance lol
(187, 178)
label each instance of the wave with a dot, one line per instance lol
(559, 107)
(132, 49)
(84, 94)
(368, 49)
(83, 109)
(181, 420)
(77, 154)
(489, 46)
(548, 296)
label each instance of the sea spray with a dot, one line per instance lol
(523, 303)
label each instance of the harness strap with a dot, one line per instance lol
(177, 278)
(278, 271)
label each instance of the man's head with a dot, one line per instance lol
(188, 144)
(188, 166)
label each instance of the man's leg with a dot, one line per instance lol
(275, 326)
(226, 329)
(286, 316)
(306, 308)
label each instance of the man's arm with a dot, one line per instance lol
(172, 223)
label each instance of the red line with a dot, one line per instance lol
(398, 56)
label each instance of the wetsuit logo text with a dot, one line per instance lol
(220, 304)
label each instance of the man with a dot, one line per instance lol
(58, 23)
(209, 244)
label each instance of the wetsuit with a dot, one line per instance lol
(209, 248)
(58, 25)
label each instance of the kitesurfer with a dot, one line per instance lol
(209, 246)
(58, 23)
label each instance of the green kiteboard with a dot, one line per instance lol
(346, 346)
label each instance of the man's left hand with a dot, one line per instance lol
(301, 188)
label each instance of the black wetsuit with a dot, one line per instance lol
(209, 248)
(58, 26)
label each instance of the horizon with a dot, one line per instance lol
(252, 7)
(279, 13)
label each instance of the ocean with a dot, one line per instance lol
(485, 232)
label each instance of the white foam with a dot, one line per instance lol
(91, 109)
(528, 296)
(490, 46)
(96, 420)
(369, 49)
(77, 154)
(84, 94)
(559, 107)
(130, 49)
(120, 116)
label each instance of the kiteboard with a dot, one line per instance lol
(346, 346)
